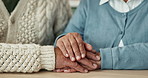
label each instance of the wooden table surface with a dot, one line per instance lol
(94, 74)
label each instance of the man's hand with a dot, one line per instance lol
(62, 62)
(91, 62)
(73, 46)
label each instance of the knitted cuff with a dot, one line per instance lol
(47, 57)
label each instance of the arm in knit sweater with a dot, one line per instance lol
(26, 58)
(64, 14)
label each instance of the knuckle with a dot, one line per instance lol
(71, 54)
(76, 34)
(83, 52)
(65, 38)
(73, 43)
(68, 47)
(76, 51)
(80, 44)
(69, 34)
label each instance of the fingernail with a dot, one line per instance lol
(98, 57)
(95, 65)
(72, 59)
(78, 57)
(83, 55)
(66, 55)
(85, 70)
(66, 70)
(58, 70)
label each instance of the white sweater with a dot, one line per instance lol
(32, 21)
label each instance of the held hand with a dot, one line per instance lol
(92, 62)
(72, 46)
(62, 62)
(70, 70)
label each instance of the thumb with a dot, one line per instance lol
(88, 46)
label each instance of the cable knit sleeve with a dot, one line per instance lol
(26, 58)
(63, 16)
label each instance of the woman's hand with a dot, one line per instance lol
(73, 46)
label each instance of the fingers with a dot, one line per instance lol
(88, 63)
(88, 68)
(65, 70)
(61, 46)
(69, 49)
(98, 63)
(69, 70)
(77, 67)
(80, 44)
(88, 46)
(62, 62)
(72, 46)
(75, 47)
(93, 56)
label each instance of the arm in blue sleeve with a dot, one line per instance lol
(134, 57)
(77, 22)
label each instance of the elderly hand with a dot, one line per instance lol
(91, 62)
(73, 46)
(62, 62)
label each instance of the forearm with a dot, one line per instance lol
(26, 58)
(127, 57)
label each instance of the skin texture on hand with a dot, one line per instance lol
(72, 46)
(64, 64)
(83, 65)
(70, 70)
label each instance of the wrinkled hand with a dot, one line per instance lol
(90, 63)
(62, 62)
(73, 46)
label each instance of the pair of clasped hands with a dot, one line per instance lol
(74, 55)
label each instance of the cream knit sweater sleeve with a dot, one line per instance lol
(26, 58)
(63, 16)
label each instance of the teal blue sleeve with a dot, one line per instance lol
(77, 22)
(132, 57)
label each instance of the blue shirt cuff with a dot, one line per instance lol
(58, 38)
(106, 59)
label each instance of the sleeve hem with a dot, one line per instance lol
(106, 58)
(47, 57)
